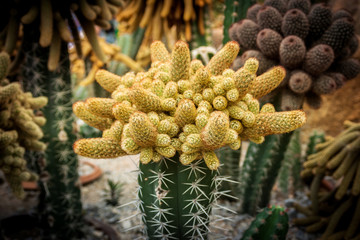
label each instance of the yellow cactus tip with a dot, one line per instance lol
(211, 160)
(159, 52)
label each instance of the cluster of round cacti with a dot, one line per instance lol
(57, 22)
(112, 53)
(336, 211)
(159, 16)
(312, 43)
(181, 105)
(19, 129)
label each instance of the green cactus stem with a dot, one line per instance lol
(176, 200)
(253, 172)
(235, 10)
(231, 168)
(276, 158)
(291, 167)
(270, 223)
(62, 207)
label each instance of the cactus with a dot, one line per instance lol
(270, 223)
(312, 40)
(234, 11)
(295, 23)
(172, 129)
(291, 167)
(336, 157)
(269, 17)
(20, 129)
(252, 174)
(61, 207)
(292, 51)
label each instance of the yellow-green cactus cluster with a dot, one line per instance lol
(179, 105)
(19, 129)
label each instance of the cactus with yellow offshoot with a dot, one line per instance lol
(175, 116)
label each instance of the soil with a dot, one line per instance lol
(343, 104)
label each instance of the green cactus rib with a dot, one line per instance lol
(253, 172)
(176, 200)
(235, 10)
(61, 206)
(270, 223)
(231, 162)
(275, 161)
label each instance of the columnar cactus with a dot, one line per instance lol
(270, 223)
(61, 209)
(335, 212)
(20, 129)
(174, 115)
(313, 44)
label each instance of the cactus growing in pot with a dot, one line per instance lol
(175, 115)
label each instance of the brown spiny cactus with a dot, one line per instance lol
(302, 38)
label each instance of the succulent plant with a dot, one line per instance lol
(313, 44)
(57, 23)
(59, 207)
(334, 212)
(157, 17)
(20, 129)
(271, 223)
(174, 115)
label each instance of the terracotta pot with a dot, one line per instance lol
(95, 174)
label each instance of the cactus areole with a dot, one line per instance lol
(175, 115)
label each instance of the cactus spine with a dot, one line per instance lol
(62, 199)
(270, 223)
(176, 200)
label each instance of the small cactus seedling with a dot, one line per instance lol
(270, 223)
(176, 115)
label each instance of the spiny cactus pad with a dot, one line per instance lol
(194, 111)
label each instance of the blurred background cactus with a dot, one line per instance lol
(44, 28)
(312, 43)
(271, 221)
(20, 131)
(334, 211)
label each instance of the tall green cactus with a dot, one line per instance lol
(234, 11)
(291, 167)
(270, 223)
(253, 173)
(62, 206)
(176, 200)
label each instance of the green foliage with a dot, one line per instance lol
(270, 223)
(113, 192)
